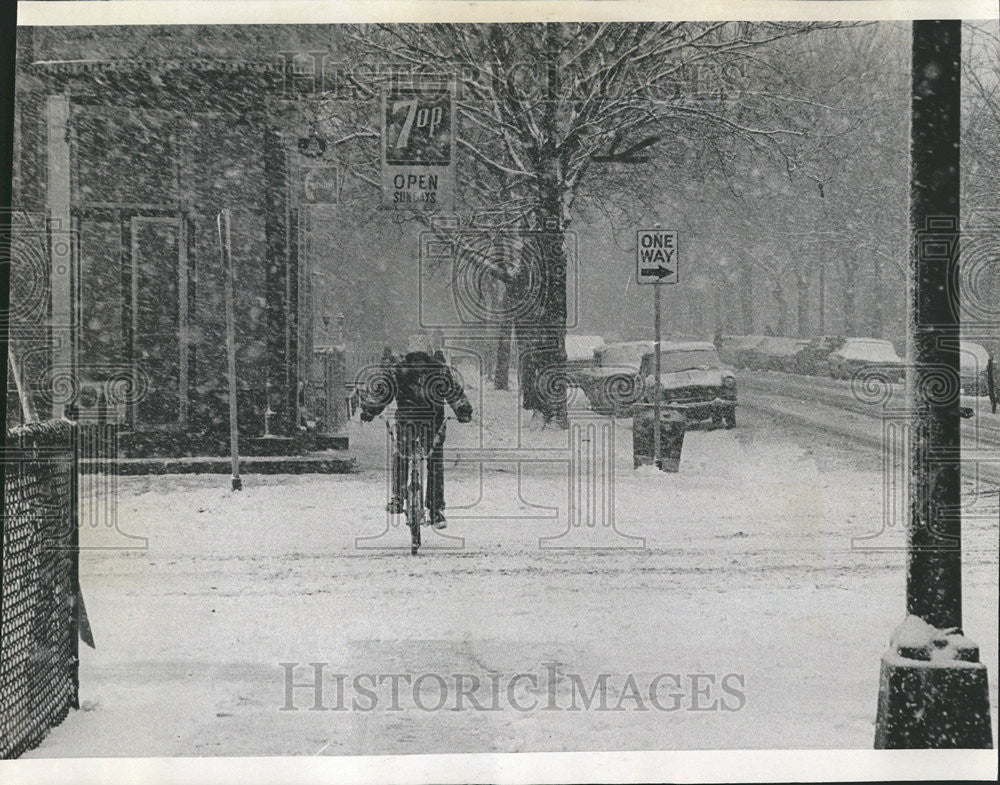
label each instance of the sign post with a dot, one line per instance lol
(656, 264)
(657, 462)
(223, 222)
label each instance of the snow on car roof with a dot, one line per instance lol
(687, 346)
(868, 340)
(973, 353)
(633, 344)
(626, 353)
(873, 349)
(581, 347)
(778, 344)
(749, 341)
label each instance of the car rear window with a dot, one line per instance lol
(674, 361)
(630, 356)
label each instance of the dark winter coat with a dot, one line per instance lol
(421, 385)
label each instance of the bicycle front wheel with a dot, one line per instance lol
(415, 513)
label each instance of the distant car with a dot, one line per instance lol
(777, 353)
(743, 353)
(580, 352)
(693, 380)
(725, 345)
(974, 361)
(613, 384)
(873, 354)
(813, 359)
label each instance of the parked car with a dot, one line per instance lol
(580, 352)
(613, 384)
(974, 361)
(693, 380)
(726, 345)
(743, 353)
(814, 358)
(873, 354)
(777, 353)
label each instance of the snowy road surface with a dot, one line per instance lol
(753, 617)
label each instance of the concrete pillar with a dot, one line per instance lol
(61, 251)
(281, 285)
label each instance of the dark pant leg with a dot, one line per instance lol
(400, 448)
(435, 476)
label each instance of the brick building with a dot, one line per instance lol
(129, 141)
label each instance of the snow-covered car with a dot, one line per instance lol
(777, 353)
(871, 354)
(613, 384)
(974, 362)
(581, 352)
(813, 360)
(743, 353)
(693, 380)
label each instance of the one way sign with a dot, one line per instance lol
(656, 256)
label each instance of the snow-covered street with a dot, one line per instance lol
(758, 572)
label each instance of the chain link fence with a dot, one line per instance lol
(39, 662)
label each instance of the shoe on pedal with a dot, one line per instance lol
(394, 507)
(437, 519)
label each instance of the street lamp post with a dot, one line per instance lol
(933, 690)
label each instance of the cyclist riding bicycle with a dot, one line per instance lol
(421, 384)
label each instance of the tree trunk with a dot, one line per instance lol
(543, 358)
(544, 381)
(501, 373)
(877, 311)
(802, 283)
(850, 294)
(779, 298)
(746, 298)
(719, 309)
(695, 315)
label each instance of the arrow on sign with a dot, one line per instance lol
(659, 271)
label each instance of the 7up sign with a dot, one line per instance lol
(656, 256)
(418, 156)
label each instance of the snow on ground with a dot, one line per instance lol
(748, 576)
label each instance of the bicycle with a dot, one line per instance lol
(417, 456)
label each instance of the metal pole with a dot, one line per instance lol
(27, 406)
(822, 266)
(656, 375)
(934, 572)
(934, 691)
(225, 244)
